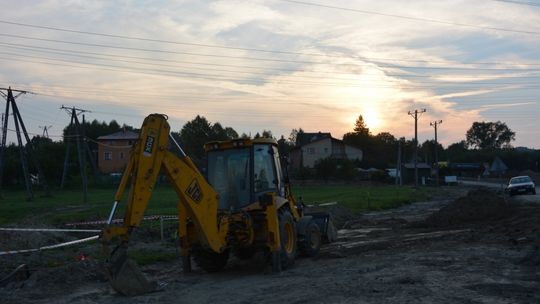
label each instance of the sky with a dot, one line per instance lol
(277, 64)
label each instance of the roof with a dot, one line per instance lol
(418, 165)
(498, 165)
(307, 138)
(120, 135)
(466, 166)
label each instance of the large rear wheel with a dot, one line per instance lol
(287, 234)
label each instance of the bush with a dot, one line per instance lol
(331, 168)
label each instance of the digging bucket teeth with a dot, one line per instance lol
(125, 276)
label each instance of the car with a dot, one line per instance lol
(520, 185)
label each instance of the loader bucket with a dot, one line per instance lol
(328, 230)
(126, 278)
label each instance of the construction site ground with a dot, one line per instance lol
(464, 246)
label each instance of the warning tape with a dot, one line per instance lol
(49, 230)
(118, 221)
(88, 239)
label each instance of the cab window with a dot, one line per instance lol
(264, 177)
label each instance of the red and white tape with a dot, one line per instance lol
(118, 221)
(49, 230)
(88, 239)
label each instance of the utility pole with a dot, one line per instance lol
(398, 166)
(45, 131)
(24, 150)
(81, 144)
(415, 116)
(434, 124)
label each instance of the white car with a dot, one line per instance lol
(521, 185)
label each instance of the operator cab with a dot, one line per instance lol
(241, 170)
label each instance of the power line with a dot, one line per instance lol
(379, 64)
(462, 79)
(152, 50)
(69, 53)
(410, 18)
(192, 75)
(519, 2)
(218, 99)
(117, 36)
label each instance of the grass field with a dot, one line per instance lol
(67, 206)
(360, 198)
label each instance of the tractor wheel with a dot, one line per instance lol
(209, 260)
(287, 234)
(310, 245)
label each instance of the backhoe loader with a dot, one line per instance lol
(244, 206)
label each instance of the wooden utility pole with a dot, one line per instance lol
(434, 124)
(81, 144)
(398, 165)
(45, 131)
(415, 116)
(24, 150)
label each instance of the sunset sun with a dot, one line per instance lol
(372, 119)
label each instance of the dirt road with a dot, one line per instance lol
(431, 252)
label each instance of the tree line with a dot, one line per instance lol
(483, 141)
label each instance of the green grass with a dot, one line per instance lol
(361, 197)
(67, 206)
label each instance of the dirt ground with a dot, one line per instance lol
(456, 248)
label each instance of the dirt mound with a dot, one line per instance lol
(56, 280)
(477, 205)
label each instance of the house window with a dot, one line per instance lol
(108, 155)
(121, 155)
(311, 150)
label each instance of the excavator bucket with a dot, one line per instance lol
(126, 278)
(327, 228)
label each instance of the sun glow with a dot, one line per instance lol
(372, 119)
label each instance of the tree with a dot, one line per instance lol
(265, 134)
(381, 152)
(195, 133)
(427, 150)
(386, 138)
(489, 135)
(360, 126)
(220, 133)
(295, 134)
(456, 152)
(360, 137)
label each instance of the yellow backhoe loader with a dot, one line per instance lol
(244, 206)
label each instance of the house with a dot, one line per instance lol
(311, 147)
(114, 151)
(407, 172)
(498, 167)
(465, 169)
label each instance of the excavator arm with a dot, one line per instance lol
(197, 205)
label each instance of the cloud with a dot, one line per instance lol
(329, 66)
